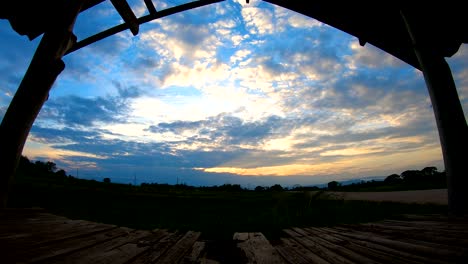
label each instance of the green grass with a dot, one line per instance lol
(217, 214)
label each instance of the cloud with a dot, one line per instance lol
(240, 55)
(225, 131)
(232, 93)
(75, 111)
(180, 40)
(15, 52)
(459, 66)
(370, 56)
(349, 166)
(258, 20)
(127, 92)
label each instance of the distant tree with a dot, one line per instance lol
(61, 173)
(259, 189)
(394, 178)
(412, 176)
(46, 167)
(276, 188)
(50, 166)
(429, 171)
(296, 187)
(230, 187)
(333, 185)
(106, 180)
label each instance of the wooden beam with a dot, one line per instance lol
(33, 91)
(150, 6)
(127, 15)
(144, 19)
(451, 123)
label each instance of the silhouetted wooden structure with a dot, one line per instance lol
(33, 235)
(421, 35)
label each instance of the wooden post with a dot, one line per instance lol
(33, 91)
(451, 123)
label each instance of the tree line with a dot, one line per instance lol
(39, 168)
(427, 178)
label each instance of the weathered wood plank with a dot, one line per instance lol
(295, 253)
(158, 249)
(121, 255)
(463, 251)
(81, 231)
(380, 256)
(377, 247)
(373, 237)
(409, 233)
(194, 255)
(46, 253)
(393, 231)
(441, 254)
(132, 249)
(180, 249)
(443, 226)
(337, 248)
(36, 235)
(241, 236)
(257, 248)
(318, 249)
(14, 226)
(99, 253)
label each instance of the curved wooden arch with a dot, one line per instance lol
(420, 36)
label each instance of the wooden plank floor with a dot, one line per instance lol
(35, 236)
(415, 239)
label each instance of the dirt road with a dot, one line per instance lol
(437, 196)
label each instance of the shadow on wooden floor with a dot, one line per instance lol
(35, 236)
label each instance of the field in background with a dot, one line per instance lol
(216, 213)
(435, 196)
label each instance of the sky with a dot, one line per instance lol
(230, 93)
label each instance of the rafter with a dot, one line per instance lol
(127, 15)
(144, 19)
(150, 6)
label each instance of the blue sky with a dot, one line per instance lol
(252, 94)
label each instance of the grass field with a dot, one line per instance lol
(217, 214)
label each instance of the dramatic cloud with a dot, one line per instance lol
(229, 93)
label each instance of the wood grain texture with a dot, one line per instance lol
(257, 248)
(35, 236)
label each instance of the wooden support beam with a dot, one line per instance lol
(150, 6)
(451, 123)
(163, 13)
(33, 91)
(127, 15)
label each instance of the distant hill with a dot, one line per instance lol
(351, 181)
